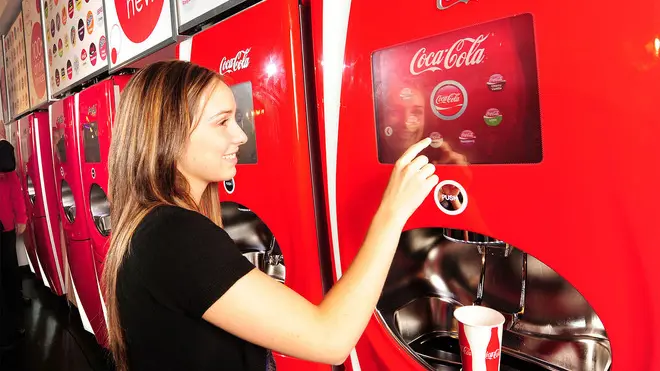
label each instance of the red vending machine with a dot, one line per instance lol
(72, 207)
(39, 181)
(96, 112)
(271, 208)
(532, 134)
(28, 235)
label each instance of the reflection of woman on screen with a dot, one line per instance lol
(401, 121)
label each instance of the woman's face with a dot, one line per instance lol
(404, 116)
(211, 152)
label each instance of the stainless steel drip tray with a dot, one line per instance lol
(427, 326)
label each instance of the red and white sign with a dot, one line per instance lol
(137, 28)
(36, 53)
(16, 65)
(83, 29)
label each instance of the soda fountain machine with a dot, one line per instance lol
(273, 207)
(72, 208)
(93, 122)
(39, 182)
(542, 211)
(28, 236)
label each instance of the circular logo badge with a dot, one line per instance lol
(50, 57)
(436, 139)
(76, 64)
(92, 54)
(103, 53)
(496, 82)
(389, 131)
(57, 78)
(57, 22)
(59, 47)
(78, 4)
(90, 22)
(70, 8)
(37, 61)
(45, 8)
(52, 28)
(69, 69)
(449, 100)
(73, 36)
(81, 29)
(64, 17)
(54, 49)
(83, 54)
(138, 22)
(467, 137)
(493, 117)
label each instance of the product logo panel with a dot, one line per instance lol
(474, 90)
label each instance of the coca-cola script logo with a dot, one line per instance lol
(464, 52)
(446, 4)
(239, 62)
(138, 18)
(489, 355)
(449, 100)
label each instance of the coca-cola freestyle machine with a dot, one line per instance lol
(272, 207)
(72, 208)
(28, 235)
(95, 116)
(543, 122)
(39, 184)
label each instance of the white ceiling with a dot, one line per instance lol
(8, 11)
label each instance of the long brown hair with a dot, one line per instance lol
(158, 110)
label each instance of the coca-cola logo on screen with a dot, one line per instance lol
(449, 100)
(464, 52)
(446, 4)
(239, 62)
(138, 18)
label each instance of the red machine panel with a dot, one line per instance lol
(37, 157)
(96, 110)
(515, 87)
(28, 235)
(72, 208)
(273, 191)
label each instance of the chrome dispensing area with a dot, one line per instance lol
(549, 325)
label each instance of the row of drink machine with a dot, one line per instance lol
(548, 219)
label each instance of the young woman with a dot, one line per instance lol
(180, 295)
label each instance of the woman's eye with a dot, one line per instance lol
(223, 122)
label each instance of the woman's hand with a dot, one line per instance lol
(411, 181)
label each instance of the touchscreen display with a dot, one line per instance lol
(474, 91)
(245, 114)
(91, 142)
(60, 143)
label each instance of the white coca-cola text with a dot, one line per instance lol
(448, 98)
(489, 355)
(239, 62)
(454, 56)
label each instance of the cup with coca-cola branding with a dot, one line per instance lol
(480, 337)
